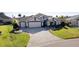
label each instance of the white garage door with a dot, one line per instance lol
(34, 24)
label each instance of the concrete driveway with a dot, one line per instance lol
(40, 37)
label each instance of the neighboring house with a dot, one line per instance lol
(73, 20)
(3, 21)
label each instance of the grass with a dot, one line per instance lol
(12, 40)
(66, 33)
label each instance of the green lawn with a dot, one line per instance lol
(66, 33)
(12, 40)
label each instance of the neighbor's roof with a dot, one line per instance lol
(76, 17)
(5, 19)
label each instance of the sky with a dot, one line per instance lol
(11, 14)
(48, 7)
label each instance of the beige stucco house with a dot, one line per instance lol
(38, 20)
(35, 20)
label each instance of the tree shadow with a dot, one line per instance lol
(59, 27)
(39, 29)
(34, 30)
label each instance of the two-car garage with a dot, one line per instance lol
(31, 24)
(34, 24)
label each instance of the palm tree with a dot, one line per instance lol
(19, 15)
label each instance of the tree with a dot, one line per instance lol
(15, 21)
(24, 16)
(56, 15)
(19, 15)
(62, 17)
(67, 16)
(15, 24)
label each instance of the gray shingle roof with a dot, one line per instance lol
(76, 17)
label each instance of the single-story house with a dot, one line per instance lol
(38, 20)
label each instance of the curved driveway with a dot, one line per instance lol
(40, 37)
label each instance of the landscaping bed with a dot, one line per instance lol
(8, 39)
(68, 33)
